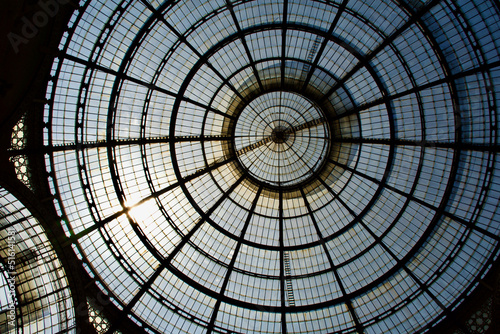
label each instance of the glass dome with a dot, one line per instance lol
(279, 166)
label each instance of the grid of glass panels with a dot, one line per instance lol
(34, 292)
(279, 166)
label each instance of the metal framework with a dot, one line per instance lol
(34, 290)
(279, 166)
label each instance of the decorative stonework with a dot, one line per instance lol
(97, 319)
(18, 143)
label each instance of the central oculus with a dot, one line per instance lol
(280, 134)
(281, 139)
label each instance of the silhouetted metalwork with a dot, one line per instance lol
(280, 166)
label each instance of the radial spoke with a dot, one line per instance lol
(236, 252)
(126, 142)
(417, 200)
(148, 85)
(364, 60)
(348, 302)
(193, 48)
(306, 125)
(283, 46)
(245, 45)
(253, 146)
(313, 66)
(156, 194)
(417, 89)
(282, 262)
(480, 147)
(186, 238)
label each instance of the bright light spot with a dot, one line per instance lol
(142, 212)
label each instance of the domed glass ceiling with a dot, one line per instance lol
(279, 166)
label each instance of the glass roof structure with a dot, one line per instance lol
(279, 166)
(34, 292)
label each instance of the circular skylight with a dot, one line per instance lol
(281, 139)
(279, 166)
